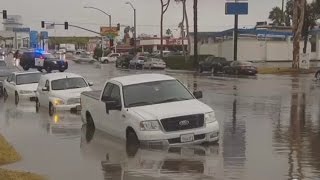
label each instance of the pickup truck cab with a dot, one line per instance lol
(150, 109)
(61, 91)
(21, 86)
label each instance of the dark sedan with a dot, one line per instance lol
(213, 64)
(124, 61)
(240, 68)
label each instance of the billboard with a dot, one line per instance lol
(110, 32)
(236, 8)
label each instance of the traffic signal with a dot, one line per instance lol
(118, 26)
(4, 14)
(66, 25)
(111, 43)
(42, 24)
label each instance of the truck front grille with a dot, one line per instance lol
(183, 122)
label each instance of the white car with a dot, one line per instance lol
(150, 109)
(21, 85)
(154, 63)
(111, 58)
(61, 91)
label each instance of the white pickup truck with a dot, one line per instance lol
(150, 109)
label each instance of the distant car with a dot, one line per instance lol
(213, 64)
(60, 91)
(124, 61)
(240, 68)
(154, 63)
(5, 72)
(137, 62)
(21, 85)
(42, 60)
(111, 58)
(85, 58)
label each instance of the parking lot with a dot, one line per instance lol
(270, 129)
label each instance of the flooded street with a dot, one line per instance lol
(270, 129)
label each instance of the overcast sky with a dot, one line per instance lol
(211, 15)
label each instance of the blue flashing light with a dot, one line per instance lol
(41, 51)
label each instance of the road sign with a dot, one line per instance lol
(236, 8)
(26, 30)
(34, 39)
(109, 31)
(44, 35)
(50, 26)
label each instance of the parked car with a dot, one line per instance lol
(85, 58)
(21, 86)
(150, 108)
(124, 61)
(42, 60)
(317, 75)
(154, 63)
(240, 68)
(5, 71)
(137, 62)
(213, 64)
(111, 58)
(61, 91)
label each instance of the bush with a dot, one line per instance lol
(179, 63)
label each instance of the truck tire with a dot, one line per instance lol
(51, 109)
(26, 67)
(132, 137)
(48, 69)
(89, 119)
(39, 69)
(16, 98)
(61, 70)
(106, 62)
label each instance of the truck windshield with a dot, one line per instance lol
(28, 78)
(155, 93)
(68, 83)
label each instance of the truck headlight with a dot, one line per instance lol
(58, 102)
(210, 117)
(25, 92)
(149, 126)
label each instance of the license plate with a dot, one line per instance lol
(187, 138)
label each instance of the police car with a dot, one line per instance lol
(42, 60)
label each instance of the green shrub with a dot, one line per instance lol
(179, 63)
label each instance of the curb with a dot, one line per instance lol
(180, 71)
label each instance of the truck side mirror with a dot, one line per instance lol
(198, 94)
(112, 105)
(45, 89)
(90, 83)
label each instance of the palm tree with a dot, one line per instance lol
(276, 16)
(168, 32)
(185, 17)
(164, 8)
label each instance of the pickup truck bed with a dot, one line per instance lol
(93, 94)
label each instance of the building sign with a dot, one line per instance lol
(25, 30)
(110, 32)
(236, 8)
(44, 35)
(34, 39)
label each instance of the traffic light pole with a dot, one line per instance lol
(79, 27)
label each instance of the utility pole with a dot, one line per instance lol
(135, 26)
(235, 36)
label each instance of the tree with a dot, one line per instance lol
(195, 26)
(185, 17)
(276, 16)
(164, 8)
(297, 26)
(168, 32)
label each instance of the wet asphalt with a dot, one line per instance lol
(270, 129)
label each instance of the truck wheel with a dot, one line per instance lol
(61, 70)
(16, 98)
(90, 122)
(51, 109)
(106, 62)
(39, 69)
(26, 67)
(48, 69)
(5, 94)
(132, 137)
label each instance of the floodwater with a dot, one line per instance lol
(270, 129)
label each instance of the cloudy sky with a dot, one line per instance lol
(211, 14)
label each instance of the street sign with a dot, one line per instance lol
(34, 39)
(50, 26)
(26, 30)
(44, 35)
(110, 32)
(236, 8)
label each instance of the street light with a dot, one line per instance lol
(90, 7)
(135, 26)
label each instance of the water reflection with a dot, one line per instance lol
(120, 161)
